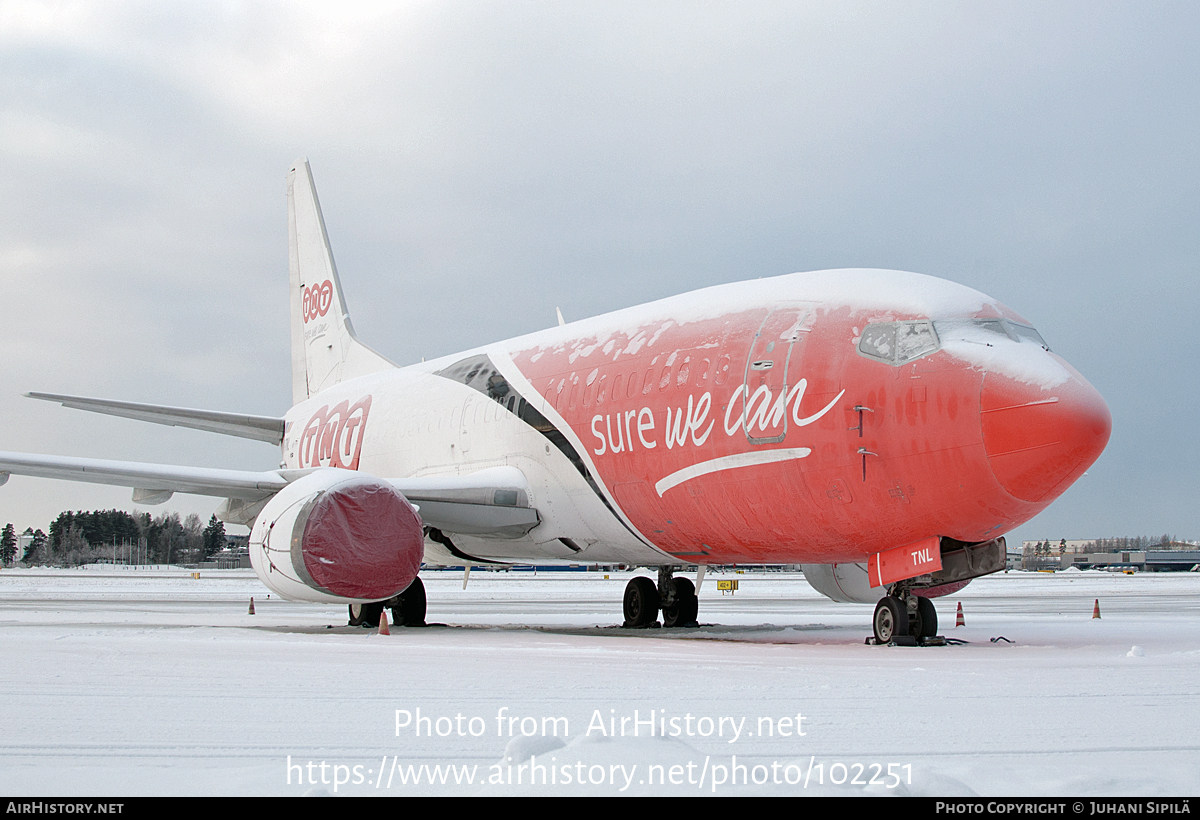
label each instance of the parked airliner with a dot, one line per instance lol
(883, 429)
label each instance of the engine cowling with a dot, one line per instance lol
(844, 583)
(337, 536)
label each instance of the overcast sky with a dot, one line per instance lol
(481, 163)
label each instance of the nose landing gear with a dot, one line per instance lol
(904, 618)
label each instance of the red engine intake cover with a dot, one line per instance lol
(361, 539)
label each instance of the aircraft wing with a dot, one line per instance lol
(493, 502)
(259, 428)
(162, 478)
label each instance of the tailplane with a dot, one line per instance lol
(325, 350)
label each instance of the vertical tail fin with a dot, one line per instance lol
(325, 350)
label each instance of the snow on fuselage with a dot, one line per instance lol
(810, 418)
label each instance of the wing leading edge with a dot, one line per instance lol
(243, 484)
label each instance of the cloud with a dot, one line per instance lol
(480, 164)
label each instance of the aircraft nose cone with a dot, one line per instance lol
(1040, 440)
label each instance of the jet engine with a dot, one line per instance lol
(844, 583)
(336, 536)
(850, 584)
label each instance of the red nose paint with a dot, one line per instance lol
(1040, 440)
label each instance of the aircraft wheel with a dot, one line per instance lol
(366, 615)
(641, 602)
(925, 624)
(683, 613)
(891, 619)
(411, 609)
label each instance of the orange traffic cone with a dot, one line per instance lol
(252, 605)
(958, 619)
(383, 625)
(1096, 610)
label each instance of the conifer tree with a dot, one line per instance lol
(8, 544)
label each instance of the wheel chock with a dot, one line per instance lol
(909, 640)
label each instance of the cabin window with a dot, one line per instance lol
(722, 372)
(635, 381)
(590, 388)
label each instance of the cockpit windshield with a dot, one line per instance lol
(900, 342)
(961, 328)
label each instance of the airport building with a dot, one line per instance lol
(1173, 556)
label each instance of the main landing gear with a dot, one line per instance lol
(903, 617)
(408, 608)
(676, 597)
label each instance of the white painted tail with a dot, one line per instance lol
(325, 350)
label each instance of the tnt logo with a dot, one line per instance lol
(316, 300)
(333, 437)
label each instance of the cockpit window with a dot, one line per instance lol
(914, 340)
(879, 342)
(994, 325)
(963, 328)
(1027, 334)
(898, 342)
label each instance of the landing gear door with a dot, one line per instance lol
(767, 380)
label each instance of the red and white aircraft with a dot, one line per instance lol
(883, 429)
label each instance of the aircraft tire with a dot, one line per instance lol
(368, 617)
(641, 603)
(411, 609)
(356, 618)
(891, 619)
(683, 613)
(925, 624)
